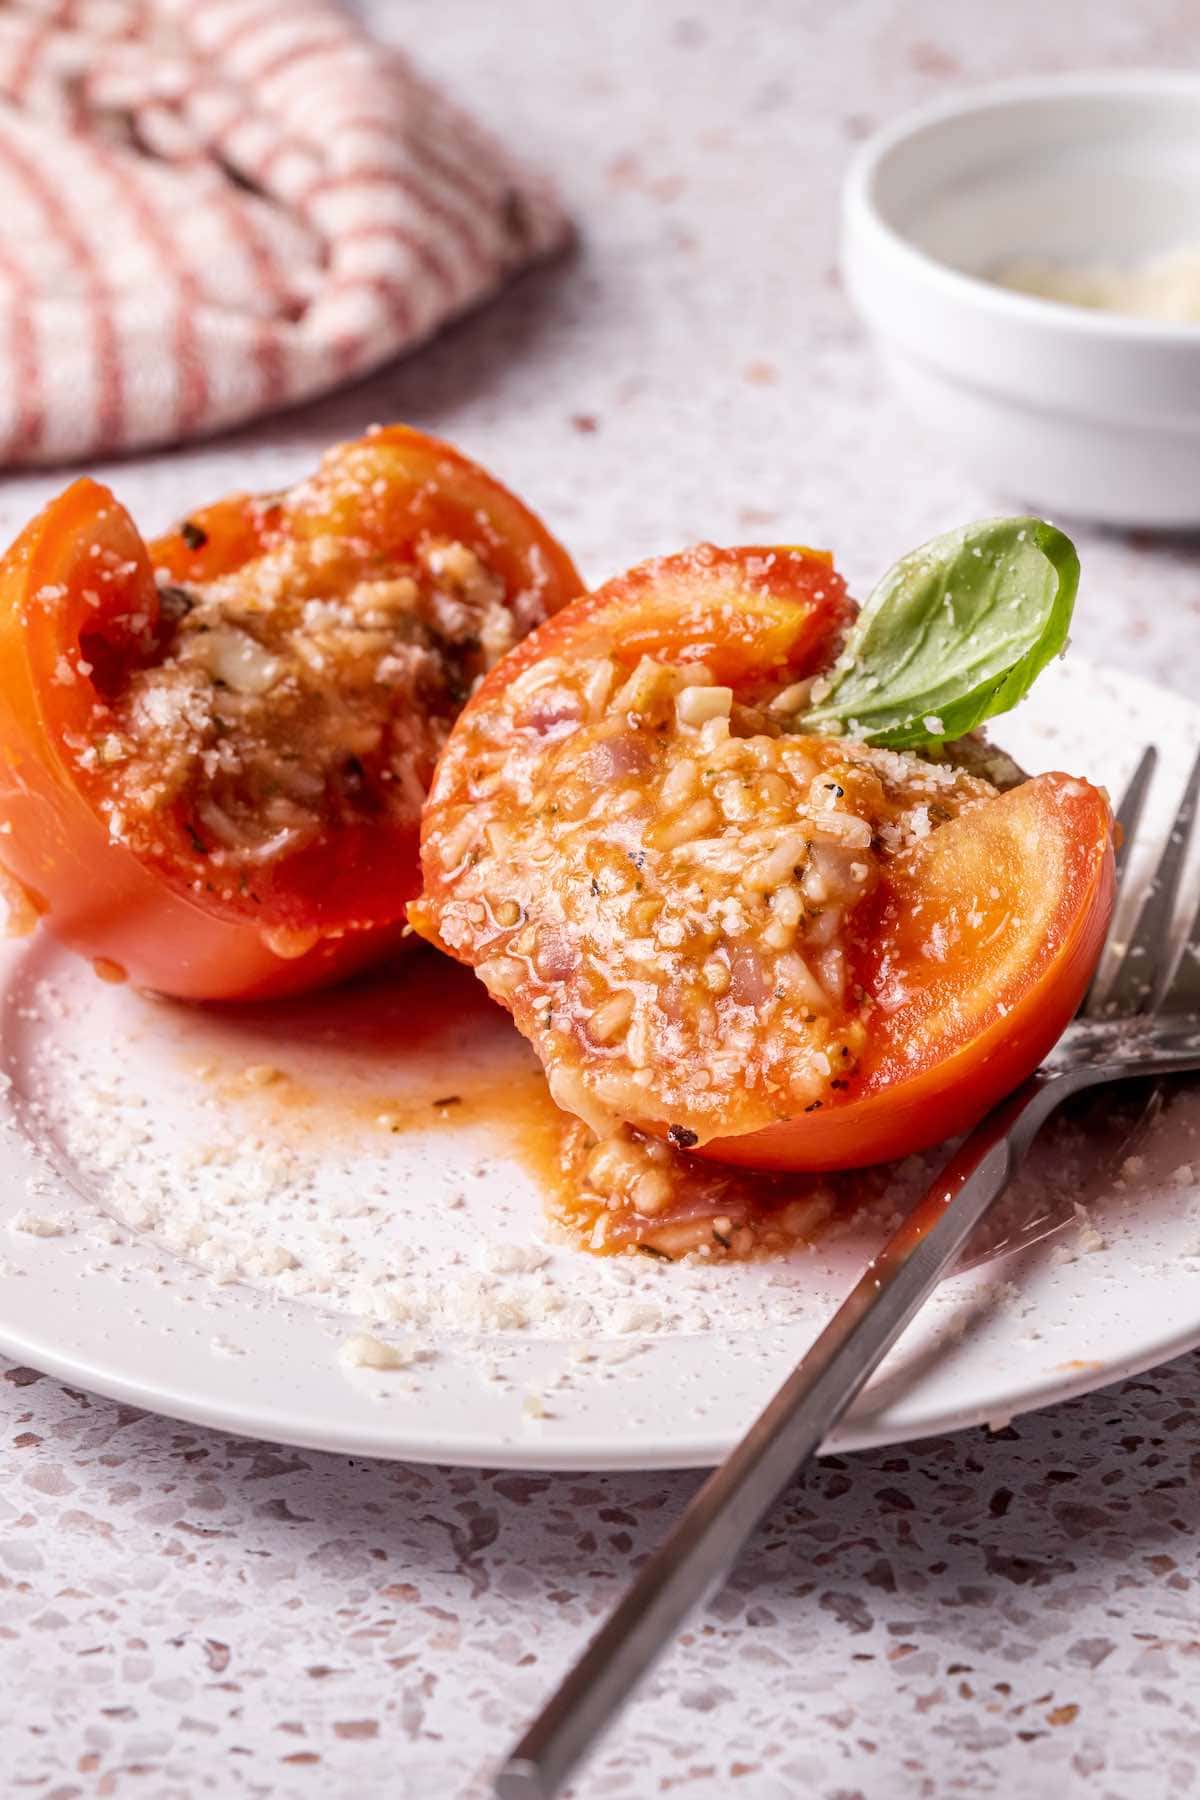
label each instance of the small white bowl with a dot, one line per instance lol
(1063, 407)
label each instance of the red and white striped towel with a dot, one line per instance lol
(211, 208)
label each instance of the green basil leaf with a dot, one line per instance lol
(955, 633)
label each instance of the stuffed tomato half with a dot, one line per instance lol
(742, 870)
(214, 747)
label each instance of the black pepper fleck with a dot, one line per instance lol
(681, 1137)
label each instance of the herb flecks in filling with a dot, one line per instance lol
(666, 885)
(310, 688)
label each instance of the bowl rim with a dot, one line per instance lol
(861, 212)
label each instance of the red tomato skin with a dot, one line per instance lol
(347, 908)
(788, 621)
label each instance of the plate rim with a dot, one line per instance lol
(471, 1451)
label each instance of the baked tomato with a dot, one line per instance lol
(778, 948)
(214, 747)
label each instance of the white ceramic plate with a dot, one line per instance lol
(180, 1233)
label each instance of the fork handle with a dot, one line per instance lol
(720, 1518)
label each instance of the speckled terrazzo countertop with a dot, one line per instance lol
(185, 1614)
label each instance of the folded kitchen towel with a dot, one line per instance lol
(211, 208)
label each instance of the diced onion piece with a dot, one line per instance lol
(235, 658)
(695, 705)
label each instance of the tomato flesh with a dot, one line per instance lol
(977, 952)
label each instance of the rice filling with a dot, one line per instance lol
(310, 688)
(665, 885)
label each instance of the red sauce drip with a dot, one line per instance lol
(438, 1055)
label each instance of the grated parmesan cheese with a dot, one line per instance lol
(1167, 287)
(364, 1351)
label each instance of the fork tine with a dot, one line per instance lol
(1128, 817)
(1182, 993)
(1145, 965)
(1133, 801)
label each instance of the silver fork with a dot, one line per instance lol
(1146, 1023)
